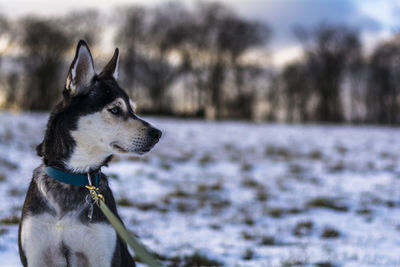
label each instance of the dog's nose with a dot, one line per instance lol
(154, 133)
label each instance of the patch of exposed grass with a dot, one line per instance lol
(2, 177)
(8, 164)
(262, 195)
(186, 207)
(229, 147)
(221, 204)
(370, 166)
(246, 167)
(3, 231)
(330, 232)
(315, 155)
(194, 260)
(133, 158)
(217, 186)
(303, 228)
(16, 192)
(391, 167)
(293, 263)
(364, 211)
(278, 152)
(327, 203)
(267, 240)
(248, 220)
(325, 264)
(148, 206)
(250, 182)
(178, 193)
(341, 149)
(386, 155)
(247, 236)
(202, 188)
(390, 203)
(279, 212)
(124, 202)
(206, 159)
(314, 180)
(113, 176)
(248, 254)
(337, 167)
(215, 226)
(197, 259)
(204, 196)
(165, 165)
(294, 211)
(10, 220)
(276, 212)
(183, 157)
(296, 169)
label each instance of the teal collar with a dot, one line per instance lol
(72, 178)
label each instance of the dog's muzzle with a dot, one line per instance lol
(153, 135)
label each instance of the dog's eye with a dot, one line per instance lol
(114, 110)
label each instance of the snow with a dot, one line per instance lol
(228, 190)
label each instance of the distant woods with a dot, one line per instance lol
(202, 62)
(200, 51)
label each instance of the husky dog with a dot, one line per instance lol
(94, 120)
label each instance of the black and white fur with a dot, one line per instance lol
(94, 120)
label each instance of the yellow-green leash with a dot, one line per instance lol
(139, 249)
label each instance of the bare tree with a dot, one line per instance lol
(297, 91)
(4, 28)
(156, 76)
(236, 36)
(248, 85)
(44, 42)
(329, 51)
(357, 83)
(130, 35)
(384, 84)
(150, 37)
(9, 80)
(223, 37)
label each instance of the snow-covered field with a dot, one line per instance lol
(239, 194)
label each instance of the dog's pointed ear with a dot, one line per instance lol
(111, 69)
(81, 71)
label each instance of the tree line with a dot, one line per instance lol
(193, 62)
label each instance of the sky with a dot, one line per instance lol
(376, 20)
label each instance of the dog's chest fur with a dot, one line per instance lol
(55, 229)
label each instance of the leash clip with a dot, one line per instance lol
(94, 194)
(94, 191)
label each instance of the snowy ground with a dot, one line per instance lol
(241, 194)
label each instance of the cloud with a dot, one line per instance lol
(375, 19)
(283, 15)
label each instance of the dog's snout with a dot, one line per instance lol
(154, 133)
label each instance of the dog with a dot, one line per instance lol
(94, 120)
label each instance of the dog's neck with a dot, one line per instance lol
(79, 162)
(60, 150)
(85, 159)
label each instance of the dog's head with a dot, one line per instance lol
(97, 113)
